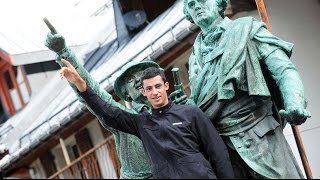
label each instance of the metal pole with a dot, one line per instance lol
(264, 17)
(302, 152)
(263, 13)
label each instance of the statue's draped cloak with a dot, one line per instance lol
(225, 61)
(228, 83)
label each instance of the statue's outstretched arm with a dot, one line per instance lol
(56, 43)
(291, 87)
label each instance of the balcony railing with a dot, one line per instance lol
(94, 164)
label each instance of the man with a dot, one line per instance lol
(134, 162)
(177, 138)
(230, 67)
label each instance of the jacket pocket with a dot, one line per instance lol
(195, 166)
(184, 128)
(152, 128)
(161, 171)
(266, 125)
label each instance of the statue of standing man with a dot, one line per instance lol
(231, 67)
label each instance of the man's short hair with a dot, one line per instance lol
(152, 72)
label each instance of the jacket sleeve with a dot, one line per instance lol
(111, 115)
(213, 145)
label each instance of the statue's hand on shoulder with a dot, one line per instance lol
(295, 115)
(55, 42)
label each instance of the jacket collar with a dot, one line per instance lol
(163, 109)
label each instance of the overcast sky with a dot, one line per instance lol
(22, 28)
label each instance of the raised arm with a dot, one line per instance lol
(111, 115)
(57, 43)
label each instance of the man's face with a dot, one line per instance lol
(133, 85)
(155, 89)
(203, 12)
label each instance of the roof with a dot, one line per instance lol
(61, 106)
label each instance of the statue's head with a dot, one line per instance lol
(127, 86)
(211, 8)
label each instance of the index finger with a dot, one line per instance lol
(67, 63)
(50, 26)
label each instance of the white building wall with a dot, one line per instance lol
(102, 153)
(36, 170)
(95, 132)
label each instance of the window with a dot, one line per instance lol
(14, 88)
(138, 13)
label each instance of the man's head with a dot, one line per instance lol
(201, 11)
(154, 87)
(127, 86)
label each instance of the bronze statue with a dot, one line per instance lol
(240, 74)
(134, 162)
